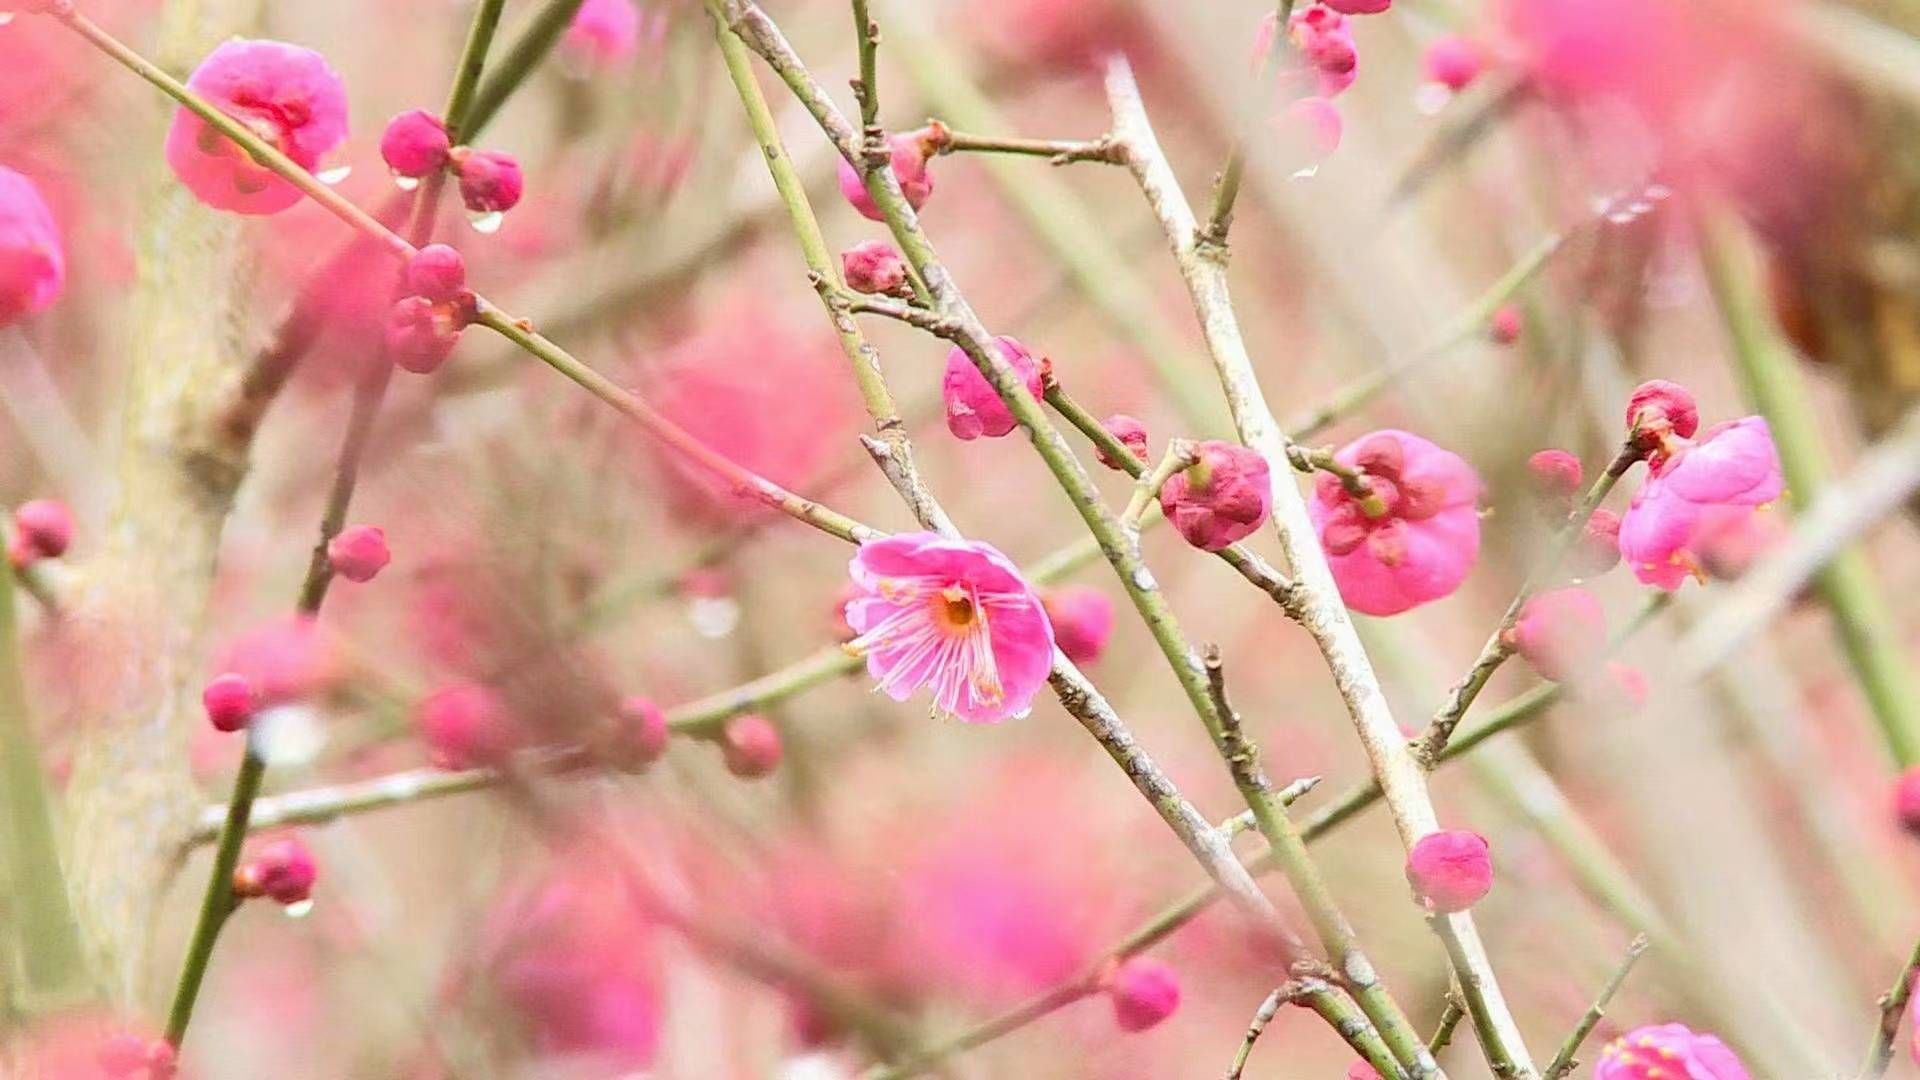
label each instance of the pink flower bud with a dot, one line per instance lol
(1082, 618)
(415, 144)
(1359, 7)
(490, 180)
(437, 272)
(284, 94)
(1555, 472)
(1906, 799)
(421, 334)
(1560, 632)
(465, 725)
(604, 32)
(1450, 870)
(1505, 326)
(1659, 408)
(229, 701)
(1222, 498)
(640, 733)
(910, 150)
(750, 744)
(282, 870)
(33, 260)
(1662, 1051)
(1453, 61)
(873, 266)
(359, 552)
(1131, 433)
(1144, 992)
(1598, 549)
(1325, 39)
(974, 409)
(43, 529)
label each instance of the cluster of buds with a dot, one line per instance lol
(424, 325)
(417, 145)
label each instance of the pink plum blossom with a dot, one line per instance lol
(1668, 1052)
(1732, 466)
(873, 266)
(1450, 870)
(285, 94)
(466, 725)
(974, 408)
(604, 32)
(33, 261)
(954, 616)
(1082, 619)
(1222, 498)
(1423, 544)
(1144, 992)
(1325, 39)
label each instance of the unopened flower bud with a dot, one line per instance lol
(490, 180)
(1144, 992)
(282, 870)
(465, 725)
(751, 746)
(639, 735)
(1453, 61)
(1450, 870)
(1131, 433)
(1505, 325)
(1659, 408)
(359, 552)
(1082, 619)
(974, 408)
(1556, 473)
(1906, 799)
(421, 334)
(229, 700)
(1222, 498)
(437, 272)
(909, 151)
(1560, 632)
(415, 144)
(42, 529)
(873, 266)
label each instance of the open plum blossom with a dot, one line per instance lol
(954, 616)
(33, 262)
(1733, 465)
(1425, 538)
(1668, 1052)
(283, 93)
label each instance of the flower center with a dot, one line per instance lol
(937, 635)
(955, 608)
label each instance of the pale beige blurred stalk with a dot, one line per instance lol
(143, 598)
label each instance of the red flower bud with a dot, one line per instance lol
(1556, 473)
(1450, 870)
(43, 529)
(282, 870)
(229, 701)
(415, 144)
(490, 181)
(466, 725)
(1659, 408)
(1504, 328)
(1131, 433)
(751, 746)
(873, 267)
(639, 733)
(437, 272)
(1144, 992)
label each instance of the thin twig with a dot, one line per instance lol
(1563, 1062)
(1180, 454)
(1056, 151)
(1261, 1018)
(1450, 1018)
(1322, 612)
(1893, 1005)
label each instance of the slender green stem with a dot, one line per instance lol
(1428, 746)
(473, 58)
(1450, 1018)
(510, 72)
(867, 89)
(1847, 584)
(52, 971)
(1226, 191)
(1057, 151)
(1473, 993)
(1893, 1004)
(1563, 1063)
